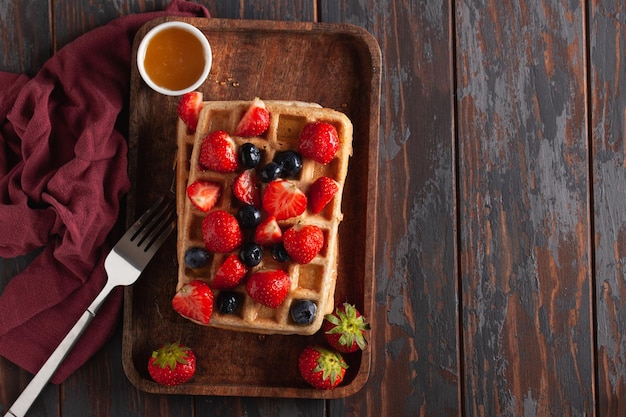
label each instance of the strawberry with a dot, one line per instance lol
(204, 194)
(283, 199)
(254, 121)
(303, 242)
(321, 192)
(194, 301)
(319, 141)
(172, 364)
(221, 232)
(246, 188)
(321, 367)
(343, 329)
(189, 108)
(230, 273)
(269, 287)
(268, 232)
(218, 153)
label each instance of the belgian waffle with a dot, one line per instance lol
(314, 281)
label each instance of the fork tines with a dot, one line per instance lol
(154, 225)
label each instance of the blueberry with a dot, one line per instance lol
(270, 172)
(196, 257)
(279, 253)
(249, 155)
(290, 163)
(248, 216)
(303, 311)
(251, 254)
(228, 301)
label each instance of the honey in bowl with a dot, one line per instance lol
(174, 58)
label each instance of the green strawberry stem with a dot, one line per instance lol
(349, 326)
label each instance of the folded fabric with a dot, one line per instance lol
(63, 173)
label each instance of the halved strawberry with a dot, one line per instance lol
(268, 232)
(303, 242)
(204, 194)
(269, 287)
(194, 301)
(246, 188)
(321, 367)
(221, 232)
(230, 273)
(283, 199)
(343, 329)
(319, 141)
(321, 192)
(189, 107)
(218, 152)
(255, 120)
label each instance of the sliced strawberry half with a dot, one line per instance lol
(303, 242)
(321, 192)
(218, 152)
(194, 301)
(269, 287)
(254, 121)
(189, 107)
(283, 199)
(204, 194)
(268, 232)
(230, 273)
(246, 188)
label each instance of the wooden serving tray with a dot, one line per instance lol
(337, 66)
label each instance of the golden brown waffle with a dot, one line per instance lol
(314, 281)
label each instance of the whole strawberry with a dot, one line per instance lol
(343, 329)
(172, 364)
(194, 301)
(221, 232)
(322, 368)
(269, 287)
(319, 141)
(303, 242)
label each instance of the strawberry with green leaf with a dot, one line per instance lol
(344, 329)
(172, 364)
(322, 368)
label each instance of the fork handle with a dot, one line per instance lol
(39, 381)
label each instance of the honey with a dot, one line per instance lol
(174, 59)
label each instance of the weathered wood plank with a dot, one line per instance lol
(607, 42)
(524, 210)
(415, 369)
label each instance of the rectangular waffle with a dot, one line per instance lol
(314, 281)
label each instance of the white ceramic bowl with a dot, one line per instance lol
(141, 55)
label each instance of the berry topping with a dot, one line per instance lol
(322, 368)
(189, 108)
(218, 153)
(194, 301)
(196, 257)
(255, 120)
(321, 192)
(303, 242)
(249, 155)
(343, 329)
(246, 189)
(248, 216)
(228, 302)
(283, 199)
(270, 172)
(221, 232)
(290, 163)
(230, 273)
(303, 311)
(279, 253)
(172, 364)
(204, 194)
(269, 287)
(268, 232)
(319, 141)
(251, 254)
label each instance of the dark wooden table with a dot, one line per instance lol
(501, 241)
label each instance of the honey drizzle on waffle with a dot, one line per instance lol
(314, 281)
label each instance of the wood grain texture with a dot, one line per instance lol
(607, 29)
(524, 211)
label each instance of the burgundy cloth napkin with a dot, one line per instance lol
(63, 171)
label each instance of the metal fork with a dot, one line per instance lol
(123, 265)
